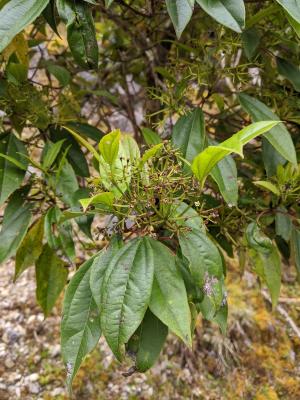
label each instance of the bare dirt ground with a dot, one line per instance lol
(259, 359)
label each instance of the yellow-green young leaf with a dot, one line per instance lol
(30, 248)
(208, 158)
(51, 277)
(105, 198)
(126, 290)
(169, 300)
(150, 153)
(18, 46)
(80, 327)
(269, 186)
(109, 146)
(147, 342)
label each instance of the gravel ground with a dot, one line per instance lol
(258, 360)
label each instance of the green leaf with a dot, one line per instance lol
(184, 215)
(150, 153)
(11, 176)
(80, 328)
(51, 152)
(80, 32)
(229, 13)
(225, 176)
(189, 135)
(266, 260)
(150, 137)
(61, 74)
(208, 158)
(49, 14)
(169, 300)
(180, 12)
(51, 277)
(66, 184)
(109, 146)
(15, 223)
(86, 130)
(289, 71)
(295, 244)
(269, 186)
(283, 223)
(203, 256)
(105, 198)
(147, 342)
(30, 248)
(292, 7)
(250, 39)
(15, 16)
(83, 141)
(279, 136)
(271, 158)
(295, 24)
(126, 291)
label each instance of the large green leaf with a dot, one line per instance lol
(126, 291)
(147, 342)
(271, 158)
(203, 256)
(229, 13)
(30, 248)
(51, 277)
(11, 176)
(80, 328)
(180, 12)
(225, 175)
(81, 32)
(169, 298)
(266, 260)
(208, 158)
(278, 136)
(292, 7)
(290, 72)
(189, 135)
(295, 24)
(14, 225)
(16, 15)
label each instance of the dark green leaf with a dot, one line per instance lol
(151, 137)
(278, 136)
(126, 291)
(61, 74)
(49, 14)
(283, 223)
(11, 176)
(250, 40)
(289, 71)
(80, 328)
(271, 158)
(169, 300)
(86, 130)
(51, 277)
(295, 241)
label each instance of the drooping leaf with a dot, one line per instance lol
(292, 7)
(109, 146)
(80, 328)
(208, 158)
(16, 15)
(283, 223)
(289, 71)
(266, 260)
(203, 256)
(30, 248)
(51, 277)
(180, 12)
(15, 223)
(189, 135)
(295, 244)
(126, 291)
(11, 176)
(147, 342)
(278, 136)
(49, 14)
(51, 152)
(229, 13)
(169, 300)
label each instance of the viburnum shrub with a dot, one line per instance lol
(207, 171)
